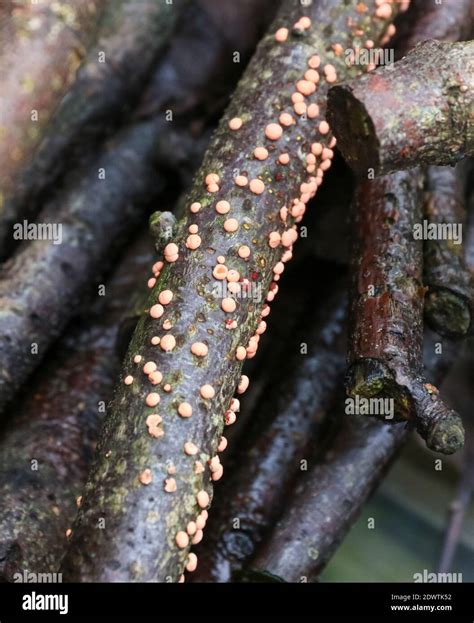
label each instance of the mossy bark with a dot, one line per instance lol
(48, 443)
(330, 497)
(449, 305)
(385, 348)
(131, 34)
(418, 111)
(290, 423)
(142, 521)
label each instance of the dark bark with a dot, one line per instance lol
(145, 521)
(330, 234)
(418, 111)
(385, 347)
(329, 498)
(450, 20)
(281, 337)
(111, 77)
(289, 424)
(449, 298)
(43, 283)
(48, 444)
(225, 28)
(469, 246)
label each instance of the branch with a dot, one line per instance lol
(449, 299)
(286, 429)
(387, 310)
(448, 21)
(418, 111)
(330, 497)
(38, 42)
(48, 444)
(42, 284)
(107, 85)
(149, 449)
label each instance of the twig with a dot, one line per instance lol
(42, 283)
(385, 348)
(417, 111)
(42, 47)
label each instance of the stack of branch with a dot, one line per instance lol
(300, 467)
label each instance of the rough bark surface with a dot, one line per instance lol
(42, 284)
(145, 523)
(418, 111)
(47, 446)
(357, 448)
(385, 347)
